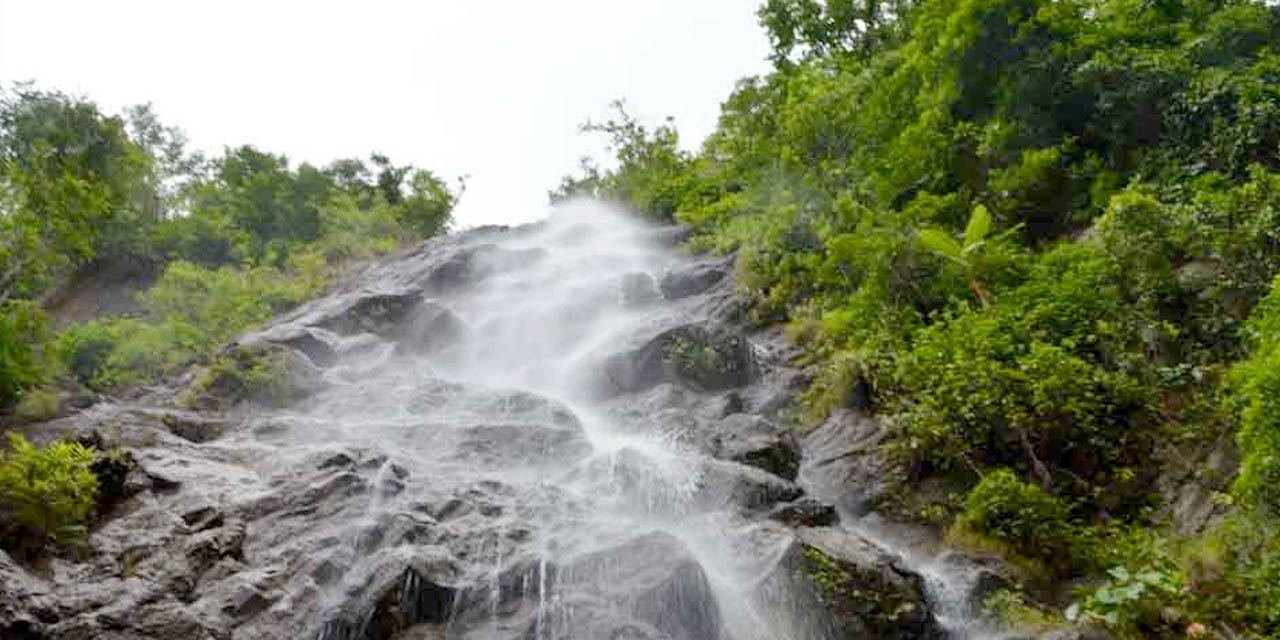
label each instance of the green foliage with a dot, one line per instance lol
(964, 253)
(653, 174)
(1129, 602)
(246, 233)
(1011, 609)
(191, 311)
(241, 374)
(24, 338)
(1233, 573)
(38, 404)
(826, 574)
(47, 493)
(1256, 389)
(68, 187)
(1024, 516)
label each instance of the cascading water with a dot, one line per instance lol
(502, 434)
(571, 515)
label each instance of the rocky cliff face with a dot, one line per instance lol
(558, 431)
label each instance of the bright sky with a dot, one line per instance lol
(494, 89)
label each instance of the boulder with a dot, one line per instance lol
(257, 372)
(430, 328)
(379, 313)
(300, 338)
(805, 512)
(654, 580)
(470, 265)
(775, 451)
(692, 280)
(845, 463)
(697, 356)
(864, 590)
(638, 290)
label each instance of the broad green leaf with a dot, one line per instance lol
(979, 226)
(942, 243)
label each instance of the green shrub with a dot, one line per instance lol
(1130, 602)
(242, 374)
(48, 492)
(24, 340)
(1233, 573)
(1011, 609)
(1254, 387)
(1024, 516)
(38, 404)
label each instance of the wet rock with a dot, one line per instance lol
(703, 358)
(749, 488)
(1075, 633)
(638, 290)
(521, 443)
(193, 427)
(470, 265)
(26, 606)
(113, 468)
(866, 590)
(397, 601)
(984, 576)
(259, 372)
(430, 328)
(246, 600)
(206, 548)
(844, 457)
(382, 314)
(300, 338)
(733, 403)
(777, 452)
(692, 280)
(805, 512)
(655, 580)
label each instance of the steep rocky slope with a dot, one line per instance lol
(554, 431)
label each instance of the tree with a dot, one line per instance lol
(69, 179)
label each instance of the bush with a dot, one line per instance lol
(241, 374)
(1130, 602)
(1255, 390)
(38, 404)
(24, 340)
(47, 493)
(1031, 521)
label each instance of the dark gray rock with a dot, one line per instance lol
(695, 355)
(380, 313)
(655, 581)
(865, 590)
(254, 372)
(844, 463)
(470, 265)
(805, 512)
(776, 452)
(300, 338)
(691, 280)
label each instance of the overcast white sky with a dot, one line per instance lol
(494, 89)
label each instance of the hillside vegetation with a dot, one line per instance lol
(229, 241)
(234, 239)
(1039, 240)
